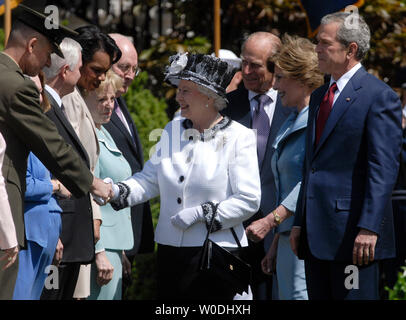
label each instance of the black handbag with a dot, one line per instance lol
(214, 262)
(221, 263)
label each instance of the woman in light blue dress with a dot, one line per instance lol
(296, 75)
(116, 232)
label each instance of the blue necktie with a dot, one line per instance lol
(260, 122)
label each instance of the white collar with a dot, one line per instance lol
(54, 95)
(343, 80)
(272, 93)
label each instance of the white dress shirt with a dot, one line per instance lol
(54, 95)
(342, 82)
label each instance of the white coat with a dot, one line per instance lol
(187, 173)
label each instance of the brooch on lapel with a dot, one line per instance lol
(221, 142)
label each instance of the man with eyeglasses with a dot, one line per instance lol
(257, 102)
(125, 135)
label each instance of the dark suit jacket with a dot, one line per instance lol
(132, 150)
(349, 176)
(77, 222)
(239, 110)
(25, 128)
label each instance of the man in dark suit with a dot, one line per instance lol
(244, 107)
(125, 135)
(25, 127)
(77, 222)
(344, 220)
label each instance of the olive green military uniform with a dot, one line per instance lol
(26, 128)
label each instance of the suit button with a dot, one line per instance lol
(181, 178)
(313, 170)
(179, 200)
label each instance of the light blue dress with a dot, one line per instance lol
(42, 222)
(116, 232)
(287, 165)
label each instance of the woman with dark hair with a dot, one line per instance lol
(99, 52)
(92, 39)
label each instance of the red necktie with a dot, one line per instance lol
(325, 108)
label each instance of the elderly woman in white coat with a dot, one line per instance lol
(203, 163)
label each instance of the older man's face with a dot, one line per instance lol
(255, 73)
(332, 54)
(126, 67)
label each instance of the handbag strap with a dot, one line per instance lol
(214, 206)
(236, 238)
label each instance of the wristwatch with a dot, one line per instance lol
(277, 217)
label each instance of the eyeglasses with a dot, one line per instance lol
(126, 68)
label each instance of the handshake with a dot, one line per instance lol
(104, 191)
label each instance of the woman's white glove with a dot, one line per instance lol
(115, 188)
(186, 217)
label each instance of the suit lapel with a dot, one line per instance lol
(238, 107)
(344, 101)
(134, 141)
(246, 120)
(68, 127)
(279, 116)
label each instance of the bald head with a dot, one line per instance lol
(269, 41)
(127, 65)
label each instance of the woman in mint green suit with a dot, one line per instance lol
(116, 232)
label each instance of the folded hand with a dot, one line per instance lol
(186, 217)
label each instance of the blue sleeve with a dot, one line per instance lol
(39, 186)
(384, 138)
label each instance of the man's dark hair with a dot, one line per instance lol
(92, 40)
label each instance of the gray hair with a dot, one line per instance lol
(219, 102)
(71, 50)
(352, 28)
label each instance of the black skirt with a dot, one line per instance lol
(175, 267)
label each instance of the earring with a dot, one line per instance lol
(207, 105)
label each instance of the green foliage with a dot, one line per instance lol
(399, 289)
(2, 36)
(148, 113)
(387, 21)
(143, 286)
(156, 58)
